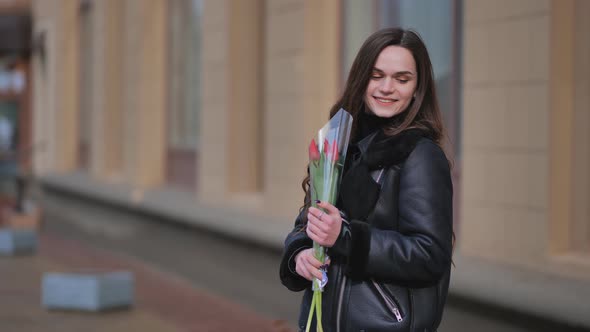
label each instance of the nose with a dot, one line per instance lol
(387, 85)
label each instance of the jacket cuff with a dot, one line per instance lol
(288, 275)
(359, 249)
(342, 245)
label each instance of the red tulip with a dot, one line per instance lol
(314, 153)
(326, 147)
(334, 152)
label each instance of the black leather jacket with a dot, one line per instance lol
(390, 272)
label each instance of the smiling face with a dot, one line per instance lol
(393, 82)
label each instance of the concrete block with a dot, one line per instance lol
(17, 241)
(87, 291)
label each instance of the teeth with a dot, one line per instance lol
(384, 100)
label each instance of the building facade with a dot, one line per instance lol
(202, 111)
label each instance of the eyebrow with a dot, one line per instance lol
(399, 73)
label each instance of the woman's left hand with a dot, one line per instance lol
(324, 227)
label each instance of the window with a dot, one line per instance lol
(581, 121)
(569, 128)
(86, 89)
(184, 90)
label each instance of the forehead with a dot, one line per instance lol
(395, 59)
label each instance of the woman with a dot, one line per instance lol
(390, 237)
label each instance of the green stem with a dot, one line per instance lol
(334, 186)
(318, 304)
(311, 310)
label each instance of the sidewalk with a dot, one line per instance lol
(163, 302)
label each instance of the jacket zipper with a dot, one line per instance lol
(388, 302)
(379, 176)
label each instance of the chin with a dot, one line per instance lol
(385, 113)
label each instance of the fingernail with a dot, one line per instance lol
(317, 201)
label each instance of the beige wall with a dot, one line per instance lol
(285, 149)
(43, 77)
(56, 87)
(145, 93)
(107, 72)
(296, 89)
(214, 115)
(505, 130)
(231, 116)
(127, 98)
(269, 77)
(519, 109)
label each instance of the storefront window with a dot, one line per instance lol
(85, 103)
(184, 92)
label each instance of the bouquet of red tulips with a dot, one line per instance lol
(326, 162)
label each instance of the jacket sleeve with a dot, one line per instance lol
(420, 252)
(296, 241)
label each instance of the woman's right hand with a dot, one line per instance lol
(307, 266)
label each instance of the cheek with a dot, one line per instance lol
(370, 89)
(409, 93)
(368, 94)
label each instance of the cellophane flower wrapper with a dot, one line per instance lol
(327, 154)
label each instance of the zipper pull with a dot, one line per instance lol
(397, 314)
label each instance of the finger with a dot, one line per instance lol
(302, 271)
(317, 273)
(301, 267)
(312, 217)
(308, 271)
(309, 231)
(316, 213)
(309, 258)
(314, 269)
(316, 233)
(298, 269)
(313, 236)
(329, 208)
(322, 224)
(314, 262)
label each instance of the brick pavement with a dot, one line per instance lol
(163, 302)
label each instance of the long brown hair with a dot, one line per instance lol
(423, 113)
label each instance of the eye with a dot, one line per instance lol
(376, 75)
(403, 80)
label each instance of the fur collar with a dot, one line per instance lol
(358, 191)
(386, 151)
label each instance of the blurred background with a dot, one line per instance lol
(171, 136)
